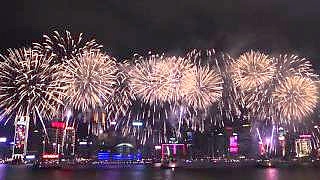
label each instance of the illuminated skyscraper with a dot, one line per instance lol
(303, 146)
(20, 137)
(69, 142)
(52, 144)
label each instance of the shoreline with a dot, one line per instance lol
(197, 164)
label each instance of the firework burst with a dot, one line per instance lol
(230, 105)
(29, 85)
(203, 87)
(252, 70)
(261, 101)
(293, 65)
(159, 79)
(170, 72)
(65, 47)
(142, 80)
(90, 79)
(296, 97)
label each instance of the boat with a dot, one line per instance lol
(265, 163)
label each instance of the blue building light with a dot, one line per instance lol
(102, 156)
(138, 156)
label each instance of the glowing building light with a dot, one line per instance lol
(113, 122)
(157, 147)
(103, 156)
(135, 123)
(305, 136)
(234, 144)
(30, 157)
(57, 124)
(3, 139)
(50, 156)
(303, 147)
(83, 143)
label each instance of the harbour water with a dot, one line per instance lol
(142, 173)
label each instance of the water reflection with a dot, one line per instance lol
(159, 174)
(2, 171)
(271, 174)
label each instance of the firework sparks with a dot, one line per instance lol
(65, 47)
(293, 65)
(29, 85)
(170, 72)
(122, 97)
(90, 79)
(253, 69)
(260, 101)
(296, 97)
(142, 80)
(204, 87)
(159, 79)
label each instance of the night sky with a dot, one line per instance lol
(125, 27)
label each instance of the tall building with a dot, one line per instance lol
(52, 143)
(69, 142)
(4, 148)
(303, 146)
(20, 137)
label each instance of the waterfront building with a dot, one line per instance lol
(20, 137)
(52, 142)
(69, 142)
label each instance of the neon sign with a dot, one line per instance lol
(57, 124)
(50, 156)
(234, 144)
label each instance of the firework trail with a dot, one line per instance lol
(121, 99)
(158, 82)
(230, 105)
(252, 72)
(90, 79)
(29, 85)
(153, 119)
(293, 65)
(64, 46)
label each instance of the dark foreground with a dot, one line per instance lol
(302, 173)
